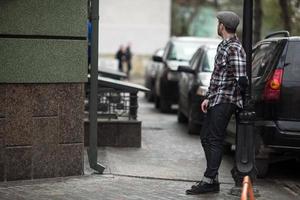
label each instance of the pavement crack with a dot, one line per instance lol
(159, 178)
(152, 128)
(292, 188)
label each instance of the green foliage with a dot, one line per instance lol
(295, 17)
(187, 15)
(204, 23)
(193, 18)
(271, 17)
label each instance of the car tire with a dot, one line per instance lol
(164, 105)
(181, 118)
(157, 103)
(262, 167)
(149, 97)
(262, 157)
(192, 127)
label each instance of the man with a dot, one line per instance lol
(222, 100)
(128, 55)
(121, 57)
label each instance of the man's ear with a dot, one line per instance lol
(222, 26)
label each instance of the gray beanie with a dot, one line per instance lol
(229, 19)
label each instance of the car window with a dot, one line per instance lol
(159, 52)
(292, 62)
(182, 51)
(262, 58)
(195, 59)
(167, 50)
(209, 60)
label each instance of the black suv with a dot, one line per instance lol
(275, 87)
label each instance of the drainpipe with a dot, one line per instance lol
(93, 147)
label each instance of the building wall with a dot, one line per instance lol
(41, 130)
(143, 23)
(43, 67)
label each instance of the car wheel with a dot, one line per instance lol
(149, 97)
(164, 105)
(193, 128)
(262, 167)
(262, 155)
(181, 118)
(157, 102)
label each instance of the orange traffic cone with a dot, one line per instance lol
(247, 189)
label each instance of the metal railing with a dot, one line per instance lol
(117, 104)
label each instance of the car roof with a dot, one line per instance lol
(293, 38)
(209, 46)
(195, 39)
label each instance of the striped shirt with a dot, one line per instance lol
(230, 64)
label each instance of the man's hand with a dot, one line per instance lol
(204, 105)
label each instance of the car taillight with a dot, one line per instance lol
(272, 89)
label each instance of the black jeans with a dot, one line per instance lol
(213, 134)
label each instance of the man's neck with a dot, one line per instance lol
(227, 36)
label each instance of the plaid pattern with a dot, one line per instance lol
(230, 64)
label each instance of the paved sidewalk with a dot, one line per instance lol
(108, 187)
(167, 164)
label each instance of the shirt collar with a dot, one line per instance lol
(228, 40)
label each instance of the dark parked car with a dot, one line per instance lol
(275, 91)
(178, 51)
(150, 74)
(193, 85)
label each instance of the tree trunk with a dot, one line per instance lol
(216, 3)
(258, 13)
(285, 14)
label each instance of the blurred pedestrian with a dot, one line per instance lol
(128, 59)
(121, 57)
(222, 100)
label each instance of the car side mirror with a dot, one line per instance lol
(157, 59)
(186, 69)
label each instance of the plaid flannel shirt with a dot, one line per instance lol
(230, 64)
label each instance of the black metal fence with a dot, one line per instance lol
(117, 104)
(116, 100)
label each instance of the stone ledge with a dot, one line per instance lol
(116, 133)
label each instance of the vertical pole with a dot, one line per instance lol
(93, 146)
(245, 147)
(247, 38)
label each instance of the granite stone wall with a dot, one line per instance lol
(43, 68)
(116, 133)
(41, 130)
